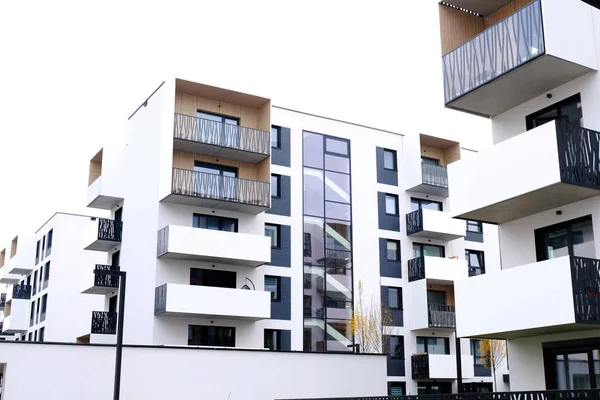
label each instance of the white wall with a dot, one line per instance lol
(78, 372)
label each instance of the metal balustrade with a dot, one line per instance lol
(578, 155)
(434, 175)
(416, 269)
(22, 292)
(219, 187)
(104, 323)
(3, 300)
(217, 133)
(109, 229)
(442, 316)
(585, 279)
(104, 280)
(414, 222)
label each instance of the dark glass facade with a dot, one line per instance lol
(328, 281)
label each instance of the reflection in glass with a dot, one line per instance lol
(572, 371)
(337, 211)
(339, 285)
(338, 235)
(339, 336)
(337, 309)
(313, 233)
(314, 335)
(337, 259)
(416, 204)
(338, 146)
(335, 163)
(337, 187)
(420, 250)
(313, 150)
(583, 239)
(314, 291)
(556, 243)
(313, 192)
(391, 204)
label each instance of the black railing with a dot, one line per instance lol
(414, 222)
(105, 280)
(416, 269)
(219, 187)
(3, 300)
(162, 242)
(442, 316)
(434, 175)
(420, 366)
(585, 279)
(109, 229)
(160, 299)
(590, 394)
(505, 46)
(578, 155)
(22, 292)
(104, 323)
(1, 326)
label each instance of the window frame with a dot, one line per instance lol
(420, 201)
(222, 168)
(394, 159)
(50, 239)
(421, 246)
(222, 116)
(556, 106)
(221, 220)
(426, 344)
(397, 242)
(395, 197)
(275, 295)
(398, 299)
(277, 232)
(478, 253)
(197, 329)
(540, 235)
(277, 186)
(277, 135)
(479, 225)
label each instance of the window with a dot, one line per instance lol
(431, 345)
(32, 314)
(49, 245)
(43, 246)
(420, 204)
(275, 186)
(46, 275)
(275, 137)
(431, 250)
(37, 312)
(476, 353)
(213, 278)
(112, 304)
(273, 285)
(37, 252)
(30, 336)
(574, 238)
(116, 258)
(391, 204)
(34, 289)
(35, 336)
(395, 298)
(307, 245)
(475, 259)
(211, 336)
(273, 231)
(568, 110)
(393, 250)
(474, 226)
(272, 339)
(214, 223)
(42, 333)
(217, 118)
(389, 159)
(430, 161)
(44, 306)
(215, 169)
(336, 146)
(396, 388)
(394, 346)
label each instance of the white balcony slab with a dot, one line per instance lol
(19, 265)
(541, 301)
(442, 366)
(440, 225)
(8, 279)
(104, 238)
(187, 243)
(16, 319)
(513, 179)
(445, 270)
(99, 197)
(213, 302)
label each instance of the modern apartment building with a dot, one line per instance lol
(531, 66)
(250, 226)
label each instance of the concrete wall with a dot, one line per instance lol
(86, 372)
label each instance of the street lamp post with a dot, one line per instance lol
(122, 276)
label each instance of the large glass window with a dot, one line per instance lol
(476, 262)
(419, 204)
(215, 169)
(568, 110)
(214, 278)
(211, 336)
(430, 250)
(217, 118)
(214, 223)
(431, 345)
(391, 204)
(575, 238)
(314, 192)
(389, 159)
(573, 364)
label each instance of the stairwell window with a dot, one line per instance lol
(273, 285)
(273, 231)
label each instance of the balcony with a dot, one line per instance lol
(8, 279)
(19, 265)
(187, 243)
(220, 192)
(437, 269)
(2, 302)
(102, 284)
(99, 197)
(437, 366)
(434, 224)
(21, 292)
(567, 300)
(218, 139)
(103, 234)
(16, 314)
(213, 302)
(519, 177)
(518, 58)
(104, 323)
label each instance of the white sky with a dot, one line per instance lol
(72, 73)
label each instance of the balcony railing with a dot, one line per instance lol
(22, 292)
(590, 394)
(503, 47)
(578, 155)
(3, 300)
(160, 299)
(434, 175)
(1, 326)
(218, 187)
(109, 229)
(104, 323)
(442, 316)
(416, 269)
(103, 280)
(585, 278)
(414, 222)
(420, 366)
(221, 134)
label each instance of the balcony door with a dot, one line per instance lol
(422, 204)
(568, 110)
(574, 238)
(218, 129)
(215, 181)
(430, 250)
(572, 365)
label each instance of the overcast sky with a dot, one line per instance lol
(71, 74)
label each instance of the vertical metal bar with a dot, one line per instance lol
(459, 379)
(122, 284)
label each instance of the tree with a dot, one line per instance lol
(370, 324)
(493, 353)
